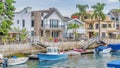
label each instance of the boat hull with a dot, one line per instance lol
(17, 61)
(44, 56)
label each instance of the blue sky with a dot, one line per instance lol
(66, 7)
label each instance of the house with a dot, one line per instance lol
(115, 16)
(43, 23)
(22, 20)
(69, 33)
(107, 27)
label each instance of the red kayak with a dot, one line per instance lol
(79, 50)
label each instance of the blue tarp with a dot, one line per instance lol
(114, 63)
(100, 48)
(114, 46)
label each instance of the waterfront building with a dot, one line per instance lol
(41, 23)
(68, 33)
(22, 20)
(108, 28)
(115, 16)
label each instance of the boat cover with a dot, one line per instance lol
(100, 48)
(114, 46)
(114, 63)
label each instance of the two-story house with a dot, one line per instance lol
(115, 16)
(42, 23)
(107, 27)
(48, 23)
(22, 20)
(69, 33)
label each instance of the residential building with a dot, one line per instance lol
(107, 27)
(50, 23)
(42, 23)
(22, 20)
(115, 16)
(69, 33)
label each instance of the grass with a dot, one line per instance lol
(17, 55)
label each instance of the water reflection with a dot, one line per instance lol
(56, 63)
(78, 61)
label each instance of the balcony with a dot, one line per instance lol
(90, 29)
(55, 27)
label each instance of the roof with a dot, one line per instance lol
(114, 12)
(67, 19)
(50, 11)
(76, 20)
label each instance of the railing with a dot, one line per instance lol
(90, 41)
(90, 28)
(53, 26)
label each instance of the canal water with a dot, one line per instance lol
(78, 61)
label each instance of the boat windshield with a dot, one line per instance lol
(49, 50)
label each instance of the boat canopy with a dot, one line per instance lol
(52, 50)
(114, 63)
(114, 46)
(100, 48)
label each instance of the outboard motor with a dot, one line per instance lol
(5, 63)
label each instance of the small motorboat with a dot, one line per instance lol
(79, 50)
(53, 53)
(102, 49)
(17, 61)
(33, 57)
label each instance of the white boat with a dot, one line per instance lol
(102, 49)
(17, 61)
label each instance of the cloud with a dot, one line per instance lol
(113, 1)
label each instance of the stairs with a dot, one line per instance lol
(90, 42)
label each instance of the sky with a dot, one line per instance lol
(66, 7)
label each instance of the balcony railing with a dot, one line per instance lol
(55, 26)
(90, 28)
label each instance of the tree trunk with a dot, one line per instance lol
(99, 29)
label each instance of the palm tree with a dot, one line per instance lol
(82, 10)
(99, 15)
(74, 26)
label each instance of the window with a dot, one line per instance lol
(113, 19)
(91, 26)
(42, 23)
(97, 26)
(17, 21)
(32, 14)
(109, 25)
(23, 25)
(116, 19)
(32, 23)
(104, 25)
(54, 23)
(32, 33)
(41, 33)
(85, 17)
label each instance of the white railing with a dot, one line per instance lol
(90, 41)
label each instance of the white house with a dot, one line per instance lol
(115, 16)
(22, 20)
(68, 33)
(41, 23)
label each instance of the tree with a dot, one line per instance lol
(6, 16)
(82, 10)
(23, 34)
(99, 15)
(74, 26)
